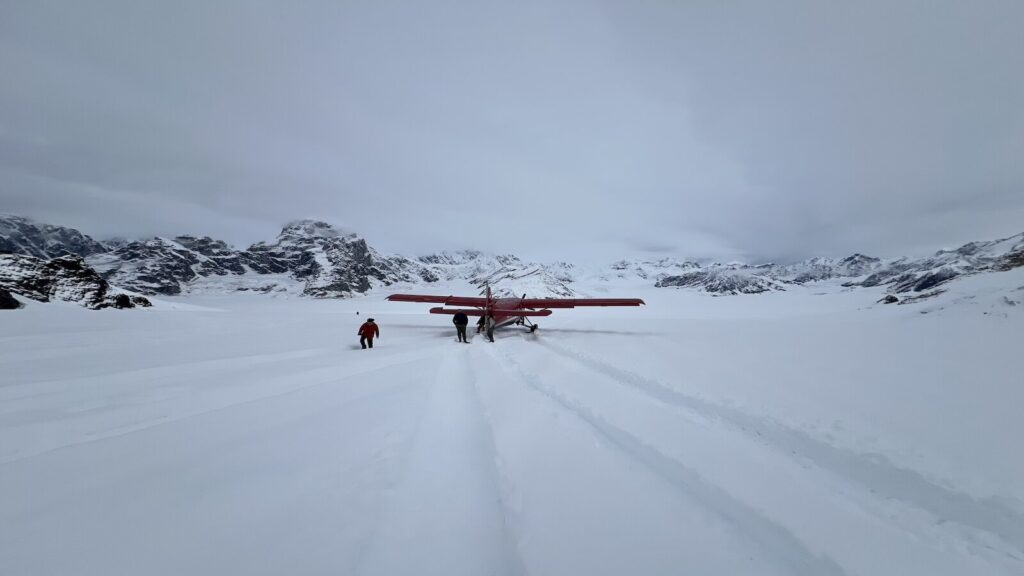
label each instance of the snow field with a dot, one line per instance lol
(790, 433)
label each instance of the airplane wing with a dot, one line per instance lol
(518, 312)
(466, 311)
(448, 300)
(576, 302)
(526, 302)
(479, 312)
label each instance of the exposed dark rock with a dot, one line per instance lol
(8, 301)
(141, 301)
(65, 278)
(859, 264)
(926, 281)
(121, 301)
(265, 289)
(1010, 261)
(889, 299)
(884, 276)
(23, 236)
(921, 297)
(221, 258)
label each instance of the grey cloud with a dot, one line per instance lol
(560, 130)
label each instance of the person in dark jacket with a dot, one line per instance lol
(367, 332)
(461, 321)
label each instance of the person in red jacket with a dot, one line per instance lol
(367, 332)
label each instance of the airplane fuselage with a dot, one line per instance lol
(501, 319)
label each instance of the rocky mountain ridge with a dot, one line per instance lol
(65, 278)
(905, 275)
(648, 269)
(505, 273)
(332, 263)
(315, 259)
(725, 280)
(23, 236)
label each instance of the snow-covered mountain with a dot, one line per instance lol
(725, 280)
(23, 236)
(64, 278)
(655, 270)
(506, 274)
(313, 258)
(166, 266)
(737, 278)
(823, 268)
(905, 275)
(331, 262)
(918, 279)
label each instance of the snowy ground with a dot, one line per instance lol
(808, 432)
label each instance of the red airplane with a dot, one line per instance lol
(504, 311)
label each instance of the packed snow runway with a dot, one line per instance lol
(789, 433)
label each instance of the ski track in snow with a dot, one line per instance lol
(872, 471)
(492, 463)
(774, 540)
(446, 516)
(575, 506)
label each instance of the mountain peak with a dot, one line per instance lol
(450, 257)
(312, 229)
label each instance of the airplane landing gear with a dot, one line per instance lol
(533, 327)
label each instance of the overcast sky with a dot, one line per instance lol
(551, 129)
